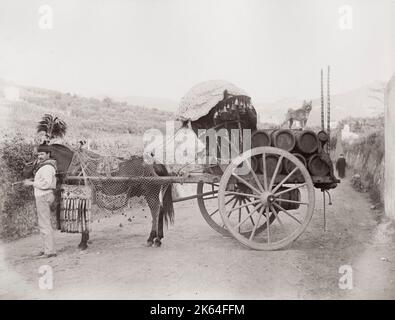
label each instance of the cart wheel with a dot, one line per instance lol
(288, 197)
(208, 205)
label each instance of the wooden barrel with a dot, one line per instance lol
(271, 163)
(323, 137)
(289, 165)
(75, 208)
(260, 138)
(317, 167)
(306, 141)
(254, 164)
(283, 139)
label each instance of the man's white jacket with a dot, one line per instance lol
(44, 180)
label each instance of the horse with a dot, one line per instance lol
(157, 195)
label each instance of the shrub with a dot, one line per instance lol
(17, 209)
(371, 148)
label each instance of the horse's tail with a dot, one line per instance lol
(166, 212)
(167, 209)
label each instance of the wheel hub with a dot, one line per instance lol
(266, 198)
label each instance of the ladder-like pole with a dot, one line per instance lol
(328, 101)
(322, 100)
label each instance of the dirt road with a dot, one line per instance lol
(195, 262)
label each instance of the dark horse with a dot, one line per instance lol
(158, 196)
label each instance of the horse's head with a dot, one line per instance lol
(308, 105)
(63, 156)
(60, 153)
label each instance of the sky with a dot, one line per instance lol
(161, 48)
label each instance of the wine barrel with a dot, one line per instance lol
(271, 163)
(260, 138)
(254, 164)
(317, 167)
(306, 141)
(323, 137)
(283, 139)
(289, 165)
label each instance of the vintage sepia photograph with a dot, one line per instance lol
(197, 150)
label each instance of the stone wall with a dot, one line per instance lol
(367, 160)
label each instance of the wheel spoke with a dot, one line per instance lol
(259, 219)
(264, 170)
(233, 205)
(245, 219)
(239, 214)
(248, 210)
(210, 198)
(285, 211)
(255, 177)
(246, 183)
(241, 194)
(289, 189)
(275, 172)
(211, 214)
(285, 179)
(259, 206)
(291, 201)
(245, 205)
(277, 217)
(214, 212)
(267, 224)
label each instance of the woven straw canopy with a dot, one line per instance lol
(203, 97)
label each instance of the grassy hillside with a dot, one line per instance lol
(102, 121)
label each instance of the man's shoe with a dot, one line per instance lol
(40, 254)
(51, 255)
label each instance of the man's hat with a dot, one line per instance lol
(44, 148)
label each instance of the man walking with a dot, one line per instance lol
(44, 185)
(341, 166)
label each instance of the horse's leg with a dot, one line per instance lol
(161, 213)
(154, 205)
(290, 122)
(84, 240)
(160, 223)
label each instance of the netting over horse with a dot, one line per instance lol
(108, 176)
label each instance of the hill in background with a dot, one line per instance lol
(162, 104)
(357, 103)
(104, 120)
(108, 119)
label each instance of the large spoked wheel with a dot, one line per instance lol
(208, 205)
(288, 197)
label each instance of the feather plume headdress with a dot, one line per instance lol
(53, 127)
